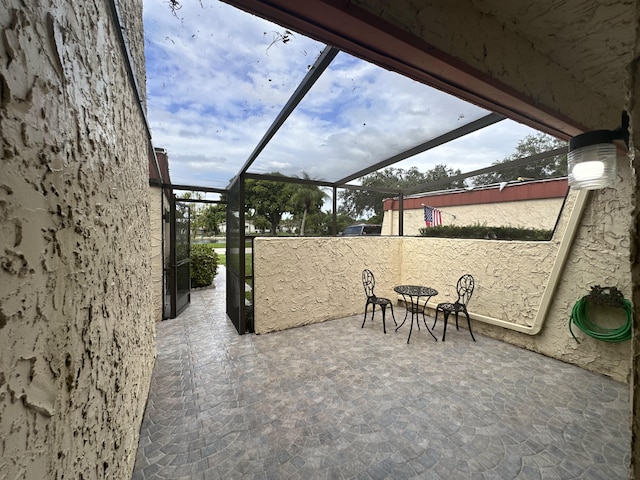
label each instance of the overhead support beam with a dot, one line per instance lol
(194, 200)
(283, 178)
(423, 147)
(393, 191)
(493, 168)
(318, 183)
(194, 188)
(314, 73)
(357, 31)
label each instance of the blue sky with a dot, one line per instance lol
(217, 77)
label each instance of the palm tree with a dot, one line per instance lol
(306, 198)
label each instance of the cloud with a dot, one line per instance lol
(217, 78)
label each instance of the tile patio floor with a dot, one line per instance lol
(334, 401)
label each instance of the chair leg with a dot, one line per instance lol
(384, 325)
(366, 305)
(392, 315)
(436, 319)
(469, 324)
(457, 320)
(446, 319)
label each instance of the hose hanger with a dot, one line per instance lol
(602, 296)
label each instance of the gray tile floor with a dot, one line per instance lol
(334, 401)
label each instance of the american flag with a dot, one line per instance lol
(432, 216)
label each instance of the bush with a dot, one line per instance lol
(488, 233)
(204, 265)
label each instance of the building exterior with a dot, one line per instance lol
(77, 322)
(525, 204)
(77, 330)
(159, 233)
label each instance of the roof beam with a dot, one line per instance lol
(493, 168)
(423, 147)
(314, 73)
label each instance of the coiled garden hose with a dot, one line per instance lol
(580, 316)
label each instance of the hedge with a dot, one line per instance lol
(488, 233)
(204, 265)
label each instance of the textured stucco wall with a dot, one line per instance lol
(302, 281)
(512, 276)
(541, 213)
(157, 254)
(76, 326)
(633, 107)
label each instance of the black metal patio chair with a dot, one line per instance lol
(465, 290)
(369, 283)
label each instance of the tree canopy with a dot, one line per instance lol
(361, 203)
(270, 200)
(551, 167)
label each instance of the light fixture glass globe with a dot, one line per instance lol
(592, 167)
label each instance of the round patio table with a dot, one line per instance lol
(414, 293)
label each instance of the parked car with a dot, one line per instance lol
(362, 229)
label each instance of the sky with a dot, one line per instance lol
(217, 77)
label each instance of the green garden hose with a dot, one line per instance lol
(580, 316)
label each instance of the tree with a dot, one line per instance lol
(362, 203)
(212, 216)
(551, 167)
(305, 199)
(195, 211)
(268, 199)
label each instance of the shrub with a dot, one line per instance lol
(204, 265)
(488, 233)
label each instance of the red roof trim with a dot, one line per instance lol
(511, 193)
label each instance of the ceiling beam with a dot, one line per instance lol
(423, 147)
(316, 70)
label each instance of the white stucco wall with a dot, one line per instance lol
(76, 326)
(541, 213)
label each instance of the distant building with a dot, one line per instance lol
(249, 227)
(528, 204)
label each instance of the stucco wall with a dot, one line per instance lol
(300, 281)
(76, 325)
(157, 254)
(303, 281)
(541, 213)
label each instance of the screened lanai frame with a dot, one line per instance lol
(238, 308)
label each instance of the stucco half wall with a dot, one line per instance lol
(300, 281)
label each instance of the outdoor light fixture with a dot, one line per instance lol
(592, 157)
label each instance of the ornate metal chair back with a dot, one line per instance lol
(368, 282)
(465, 289)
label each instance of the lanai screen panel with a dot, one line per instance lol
(356, 115)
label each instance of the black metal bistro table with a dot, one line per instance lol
(414, 293)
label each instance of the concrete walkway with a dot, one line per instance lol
(335, 401)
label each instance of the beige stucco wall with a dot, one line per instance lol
(541, 213)
(157, 255)
(303, 281)
(300, 281)
(76, 324)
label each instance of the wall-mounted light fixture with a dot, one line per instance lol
(592, 157)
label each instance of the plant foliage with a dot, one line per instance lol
(488, 233)
(204, 265)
